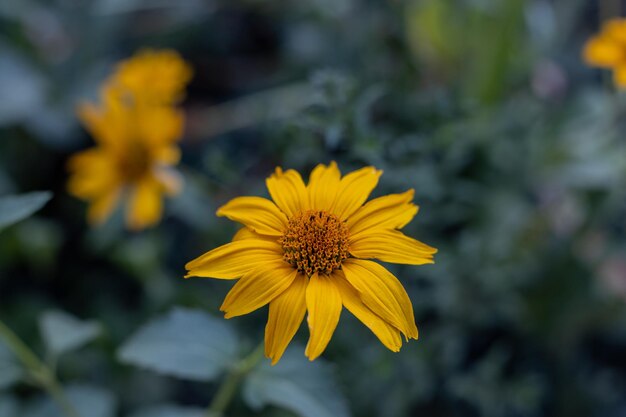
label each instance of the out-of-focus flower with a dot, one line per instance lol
(309, 250)
(153, 77)
(135, 153)
(608, 50)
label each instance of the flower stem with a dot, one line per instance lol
(228, 388)
(41, 373)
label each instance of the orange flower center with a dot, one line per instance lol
(135, 162)
(315, 241)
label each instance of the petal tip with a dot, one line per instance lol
(395, 348)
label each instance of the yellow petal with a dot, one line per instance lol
(145, 204)
(155, 77)
(259, 214)
(102, 206)
(391, 246)
(234, 259)
(323, 302)
(381, 291)
(93, 173)
(602, 51)
(244, 233)
(619, 76)
(615, 29)
(386, 333)
(288, 191)
(392, 211)
(258, 287)
(323, 186)
(165, 155)
(159, 125)
(286, 312)
(354, 189)
(110, 125)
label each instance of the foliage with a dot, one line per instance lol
(16, 208)
(186, 344)
(514, 148)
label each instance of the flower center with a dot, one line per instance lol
(135, 162)
(315, 241)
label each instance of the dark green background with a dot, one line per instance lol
(515, 150)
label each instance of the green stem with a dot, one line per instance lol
(54, 389)
(228, 388)
(41, 373)
(19, 348)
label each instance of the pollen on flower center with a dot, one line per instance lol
(315, 241)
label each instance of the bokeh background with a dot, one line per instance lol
(514, 147)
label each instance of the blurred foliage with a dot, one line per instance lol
(514, 148)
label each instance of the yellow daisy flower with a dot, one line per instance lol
(156, 77)
(136, 149)
(608, 50)
(309, 250)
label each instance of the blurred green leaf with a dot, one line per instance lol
(487, 388)
(169, 410)
(87, 400)
(20, 81)
(111, 7)
(10, 370)
(62, 332)
(185, 343)
(306, 388)
(17, 207)
(430, 34)
(9, 406)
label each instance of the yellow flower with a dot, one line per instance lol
(152, 76)
(309, 251)
(608, 50)
(135, 153)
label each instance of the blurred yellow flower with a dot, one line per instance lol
(134, 157)
(152, 77)
(309, 250)
(608, 50)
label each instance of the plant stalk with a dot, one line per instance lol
(42, 374)
(227, 390)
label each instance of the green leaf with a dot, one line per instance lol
(62, 332)
(19, 78)
(305, 388)
(14, 208)
(9, 407)
(88, 402)
(10, 370)
(188, 344)
(169, 410)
